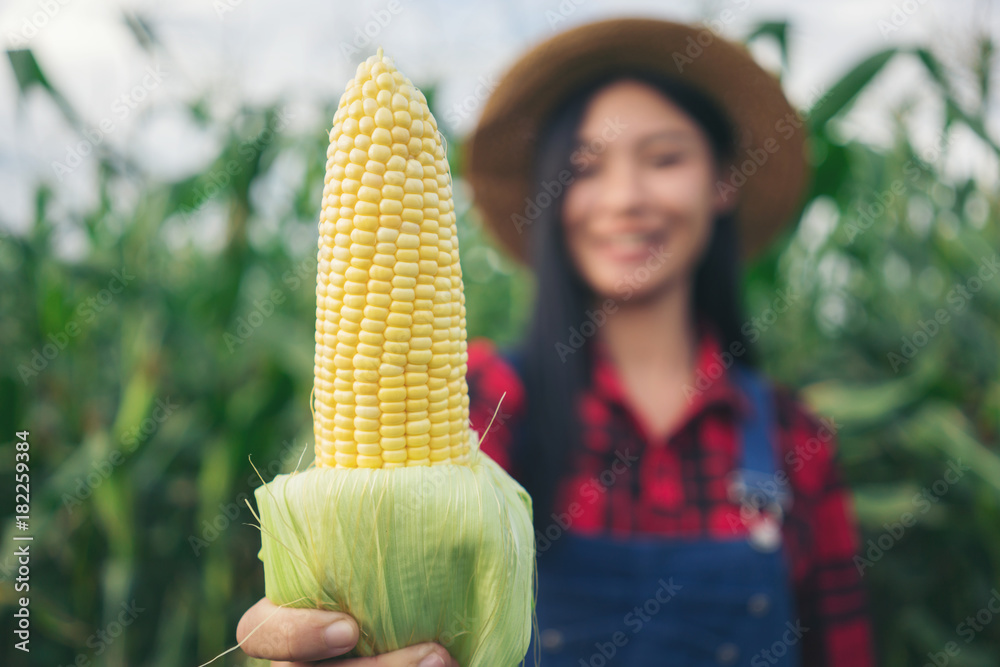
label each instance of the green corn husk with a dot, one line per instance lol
(442, 554)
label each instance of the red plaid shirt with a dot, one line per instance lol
(678, 487)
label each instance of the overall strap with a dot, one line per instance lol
(756, 428)
(760, 465)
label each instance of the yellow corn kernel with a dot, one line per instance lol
(389, 385)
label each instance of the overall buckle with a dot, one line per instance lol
(763, 503)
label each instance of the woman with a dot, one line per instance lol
(687, 511)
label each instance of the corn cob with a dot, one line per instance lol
(415, 550)
(390, 318)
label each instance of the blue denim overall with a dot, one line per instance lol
(688, 602)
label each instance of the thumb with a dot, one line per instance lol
(296, 635)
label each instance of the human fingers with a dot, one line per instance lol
(296, 635)
(419, 655)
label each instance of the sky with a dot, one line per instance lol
(302, 52)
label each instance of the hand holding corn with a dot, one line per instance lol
(307, 635)
(403, 523)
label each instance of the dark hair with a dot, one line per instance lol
(553, 382)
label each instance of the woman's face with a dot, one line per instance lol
(639, 211)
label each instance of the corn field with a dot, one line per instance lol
(160, 371)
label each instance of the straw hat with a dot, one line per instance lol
(769, 173)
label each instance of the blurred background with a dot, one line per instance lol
(161, 167)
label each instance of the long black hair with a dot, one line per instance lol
(554, 381)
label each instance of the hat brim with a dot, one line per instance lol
(769, 173)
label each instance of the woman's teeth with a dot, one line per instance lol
(629, 241)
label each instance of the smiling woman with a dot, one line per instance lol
(637, 261)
